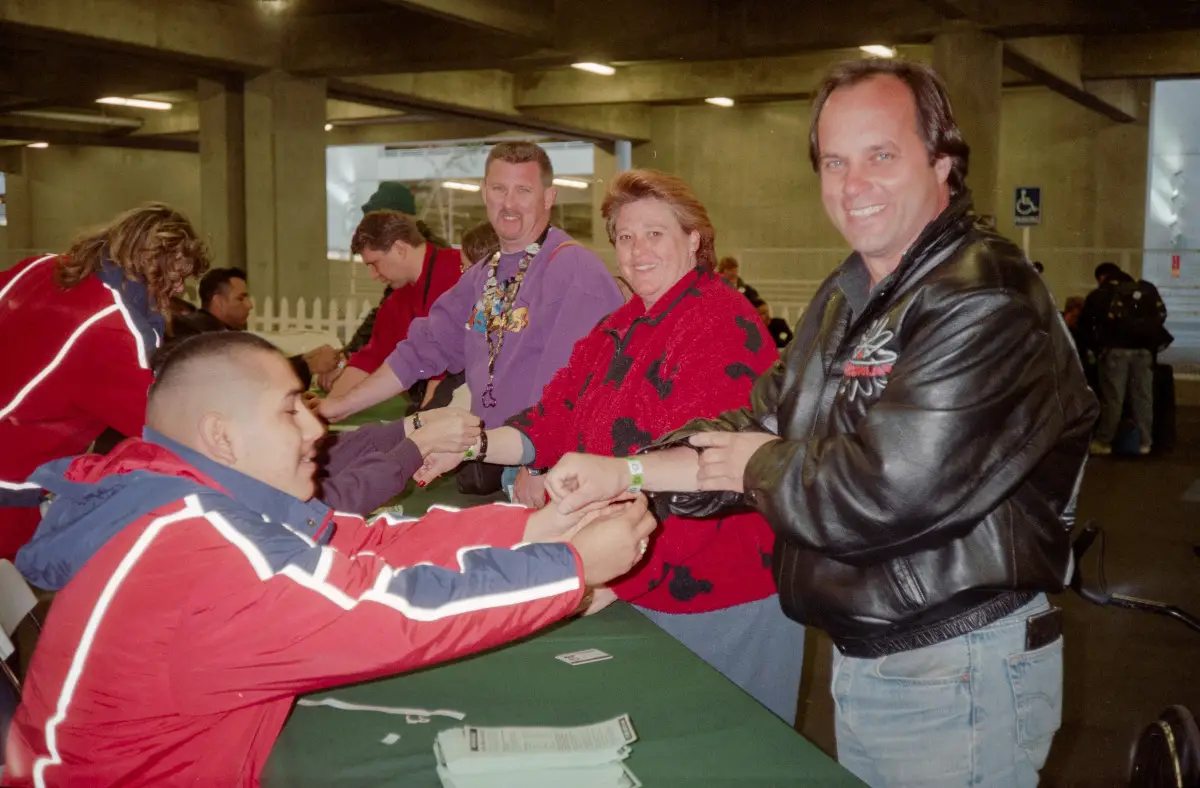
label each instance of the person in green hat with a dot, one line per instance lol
(391, 196)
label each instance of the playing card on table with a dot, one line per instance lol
(583, 657)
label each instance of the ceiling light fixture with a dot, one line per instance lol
(329, 127)
(571, 183)
(595, 68)
(38, 145)
(462, 187)
(720, 101)
(136, 103)
(879, 50)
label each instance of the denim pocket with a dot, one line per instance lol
(948, 662)
(1036, 678)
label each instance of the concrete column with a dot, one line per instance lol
(18, 234)
(624, 152)
(604, 169)
(971, 64)
(285, 187)
(222, 172)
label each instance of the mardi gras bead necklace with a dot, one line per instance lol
(497, 305)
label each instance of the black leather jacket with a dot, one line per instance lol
(935, 432)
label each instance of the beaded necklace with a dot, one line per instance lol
(497, 307)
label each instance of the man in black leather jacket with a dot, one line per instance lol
(918, 450)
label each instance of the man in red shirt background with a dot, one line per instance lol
(397, 253)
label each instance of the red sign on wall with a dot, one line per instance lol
(1175, 266)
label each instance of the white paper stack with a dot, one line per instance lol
(587, 756)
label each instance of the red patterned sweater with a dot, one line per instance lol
(640, 374)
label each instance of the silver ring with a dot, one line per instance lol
(642, 545)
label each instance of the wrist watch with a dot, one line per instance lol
(588, 594)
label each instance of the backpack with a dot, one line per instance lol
(1136, 315)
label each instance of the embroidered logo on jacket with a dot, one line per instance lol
(867, 370)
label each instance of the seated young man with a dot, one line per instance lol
(173, 655)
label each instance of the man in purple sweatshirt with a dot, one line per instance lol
(511, 322)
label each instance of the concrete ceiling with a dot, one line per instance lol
(399, 69)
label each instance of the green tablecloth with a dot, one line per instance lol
(694, 727)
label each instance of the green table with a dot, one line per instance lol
(694, 727)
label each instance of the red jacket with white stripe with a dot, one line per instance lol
(173, 656)
(74, 363)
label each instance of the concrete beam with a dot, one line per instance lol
(70, 76)
(345, 90)
(1014, 18)
(344, 45)
(489, 90)
(12, 159)
(183, 119)
(627, 121)
(530, 19)
(633, 30)
(1056, 62)
(220, 35)
(404, 134)
(778, 78)
(1145, 55)
(62, 137)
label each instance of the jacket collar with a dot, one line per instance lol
(263, 499)
(135, 301)
(636, 309)
(938, 238)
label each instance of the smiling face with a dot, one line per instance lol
(877, 182)
(273, 437)
(518, 205)
(653, 251)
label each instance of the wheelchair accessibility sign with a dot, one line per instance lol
(1027, 206)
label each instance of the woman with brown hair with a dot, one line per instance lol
(685, 346)
(79, 331)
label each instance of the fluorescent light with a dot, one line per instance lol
(879, 50)
(329, 127)
(132, 102)
(720, 101)
(38, 145)
(462, 187)
(571, 183)
(595, 68)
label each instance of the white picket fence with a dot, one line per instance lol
(334, 320)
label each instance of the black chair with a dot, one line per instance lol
(1167, 752)
(1101, 597)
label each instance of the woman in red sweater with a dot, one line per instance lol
(686, 346)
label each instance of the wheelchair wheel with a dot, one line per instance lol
(1167, 753)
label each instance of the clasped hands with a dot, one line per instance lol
(581, 481)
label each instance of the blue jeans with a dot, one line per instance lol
(978, 710)
(1126, 373)
(754, 645)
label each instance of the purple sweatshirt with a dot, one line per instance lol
(562, 298)
(364, 469)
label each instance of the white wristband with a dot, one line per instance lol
(635, 475)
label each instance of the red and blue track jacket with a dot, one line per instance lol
(174, 654)
(75, 361)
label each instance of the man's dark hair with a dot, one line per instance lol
(935, 119)
(172, 359)
(1037, 266)
(216, 282)
(1108, 271)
